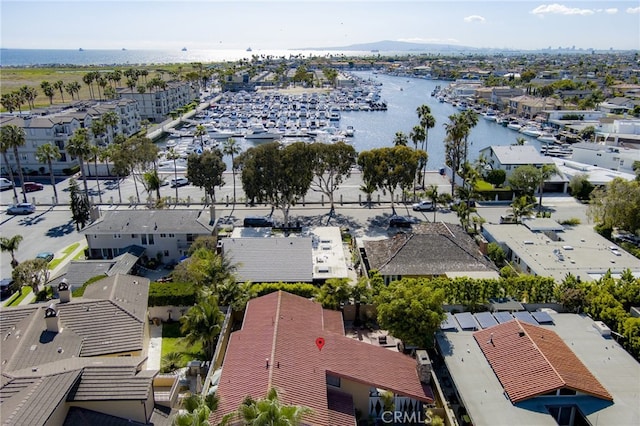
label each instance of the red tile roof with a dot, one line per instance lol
(282, 328)
(531, 361)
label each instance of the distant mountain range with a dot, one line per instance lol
(397, 46)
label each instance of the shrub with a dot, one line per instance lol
(69, 171)
(172, 293)
(496, 177)
(299, 289)
(571, 221)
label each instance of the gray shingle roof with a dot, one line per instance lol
(519, 155)
(151, 221)
(111, 383)
(271, 259)
(432, 249)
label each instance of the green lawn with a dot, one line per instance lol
(66, 252)
(172, 342)
(19, 296)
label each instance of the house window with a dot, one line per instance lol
(151, 240)
(166, 253)
(134, 236)
(163, 235)
(117, 236)
(333, 381)
(143, 239)
(172, 235)
(190, 238)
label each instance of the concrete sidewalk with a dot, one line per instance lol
(154, 350)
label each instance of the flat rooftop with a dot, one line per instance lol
(578, 250)
(485, 399)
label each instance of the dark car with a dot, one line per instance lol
(257, 222)
(6, 287)
(400, 222)
(33, 186)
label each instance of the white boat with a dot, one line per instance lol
(216, 133)
(180, 165)
(259, 132)
(489, 115)
(350, 131)
(531, 131)
(514, 125)
(547, 137)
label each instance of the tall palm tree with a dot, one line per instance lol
(202, 323)
(4, 147)
(11, 245)
(196, 410)
(80, 147)
(231, 147)
(546, 171)
(95, 154)
(269, 411)
(173, 155)
(199, 133)
(427, 121)
(48, 153)
(12, 137)
(110, 120)
(521, 207)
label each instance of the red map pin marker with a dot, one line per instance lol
(320, 343)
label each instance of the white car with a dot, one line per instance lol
(423, 206)
(181, 181)
(5, 184)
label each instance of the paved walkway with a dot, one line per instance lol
(154, 355)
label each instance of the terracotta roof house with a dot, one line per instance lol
(84, 356)
(432, 249)
(276, 347)
(540, 368)
(166, 234)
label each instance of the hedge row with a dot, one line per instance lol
(172, 293)
(300, 289)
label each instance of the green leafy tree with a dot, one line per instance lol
(521, 207)
(269, 411)
(496, 254)
(33, 273)
(79, 205)
(331, 165)
(13, 137)
(205, 171)
(525, 180)
(388, 168)
(580, 187)
(202, 323)
(11, 245)
(134, 156)
(411, 310)
(204, 268)
(277, 174)
(496, 177)
(618, 206)
(48, 153)
(333, 292)
(231, 148)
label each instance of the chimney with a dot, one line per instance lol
(51, 318)
(220, 248)
(423, 366)
(64, 292)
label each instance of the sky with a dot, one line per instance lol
(299, 24)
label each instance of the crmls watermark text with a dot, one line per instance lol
(399, 417)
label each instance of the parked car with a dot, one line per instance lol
(45, 255)
(257, 222)
(22, 208)
(181, 181)
(508, 218)
(5, 184)
(400, 222)
(7, 287)
(33, 186)
(423, 206)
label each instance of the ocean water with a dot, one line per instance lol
(34, 57)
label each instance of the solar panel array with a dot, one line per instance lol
(481, 320)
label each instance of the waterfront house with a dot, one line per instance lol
(165, 235)
(277, 347)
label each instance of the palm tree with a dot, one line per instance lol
(95, 153)
(201, 323)
(173, 155)
(12, 137)
(47, 153)
(232, 148)
(269, 411)
(11, 245)
(196, 410)
(110, 120)
(427, 121)
(521, 207)
(4, 147)
(546, 172)
(200, 132)
(79, 146)
(400, 139)
(432, 194)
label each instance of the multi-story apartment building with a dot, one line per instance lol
(155, 104)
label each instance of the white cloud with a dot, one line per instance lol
(611, 11)
(474, 18)
(633, 10)
(559, 9)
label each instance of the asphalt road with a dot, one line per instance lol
(50, 228)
